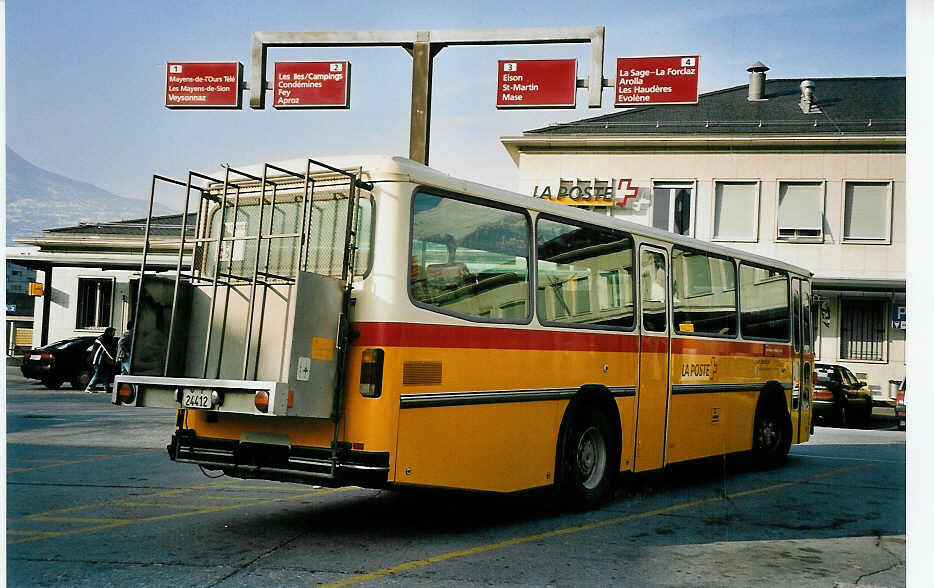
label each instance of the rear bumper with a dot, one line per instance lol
(282, 462)
(36, 370)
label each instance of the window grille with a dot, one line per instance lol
(95, 299)
(862, 329)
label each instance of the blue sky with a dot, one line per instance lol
(85, 80)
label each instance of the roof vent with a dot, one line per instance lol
(757, 81)
(808, 101)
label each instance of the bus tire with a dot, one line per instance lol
(585, 474)
(771, 433)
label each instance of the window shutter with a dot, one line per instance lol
(799, 206)
(865, 215)
(735, 211)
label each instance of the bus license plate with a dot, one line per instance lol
(196, 398)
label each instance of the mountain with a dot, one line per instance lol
(38, 199)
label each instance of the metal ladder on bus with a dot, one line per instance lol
(226, 194)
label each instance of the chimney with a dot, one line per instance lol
(757, 81)
(808, 101)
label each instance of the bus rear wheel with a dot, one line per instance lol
(585, 476)
(771, 436)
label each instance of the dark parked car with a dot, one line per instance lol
(62, 361)
(901, 404)
(840, 398)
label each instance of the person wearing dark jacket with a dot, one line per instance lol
(104, 361)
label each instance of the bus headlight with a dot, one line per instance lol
(371, 373)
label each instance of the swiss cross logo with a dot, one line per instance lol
(175, 69)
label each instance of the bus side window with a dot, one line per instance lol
(653, 291)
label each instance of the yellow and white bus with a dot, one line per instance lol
(451, 334)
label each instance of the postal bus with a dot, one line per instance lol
(379, 323)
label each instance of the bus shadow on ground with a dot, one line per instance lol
(723, 498)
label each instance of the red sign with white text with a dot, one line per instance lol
(203, 85)
(536, 83)
(312, 84)
(656, 80)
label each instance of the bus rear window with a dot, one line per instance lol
(469, 259)
(325, 227)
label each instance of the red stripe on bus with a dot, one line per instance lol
(719, 347)
(459, 337)
(654, 344)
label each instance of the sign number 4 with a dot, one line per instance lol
(688, 62)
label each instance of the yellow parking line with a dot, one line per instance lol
(60, 463)
(587, 527)
(205, 510)
(77, 520)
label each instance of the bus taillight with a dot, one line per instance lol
(371, 373)
(261, 401)
(126, 393)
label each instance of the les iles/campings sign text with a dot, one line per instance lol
(642, 81)
(203, 84)
(536, 83)
(312, 84)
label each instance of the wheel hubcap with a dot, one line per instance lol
(769, 434)
(591, 457)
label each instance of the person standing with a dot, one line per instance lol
(104, 362)
(123, 349)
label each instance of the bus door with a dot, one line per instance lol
(797, 365)
(807, 363)
(654, 360)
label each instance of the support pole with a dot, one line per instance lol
(420, 125)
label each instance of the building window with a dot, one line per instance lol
(95, 300)
(736, 211)
(801, 211)
(862, 329)
(866, 211)
(671, 207)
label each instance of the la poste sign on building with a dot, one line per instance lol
(203, 84)
(536, 83)
(642, 81)
(312, 84)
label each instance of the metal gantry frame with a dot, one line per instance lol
(423, 46)
(220, 192)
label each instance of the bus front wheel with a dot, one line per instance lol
(585, 477)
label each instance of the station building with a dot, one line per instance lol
(89, 273)
(809, 171)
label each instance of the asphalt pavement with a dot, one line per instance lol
(93, 500)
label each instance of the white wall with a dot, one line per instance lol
(63, 308)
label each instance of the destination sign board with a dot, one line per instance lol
(642, 81)
(203, 85)
(536, 83)
(312, 84)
